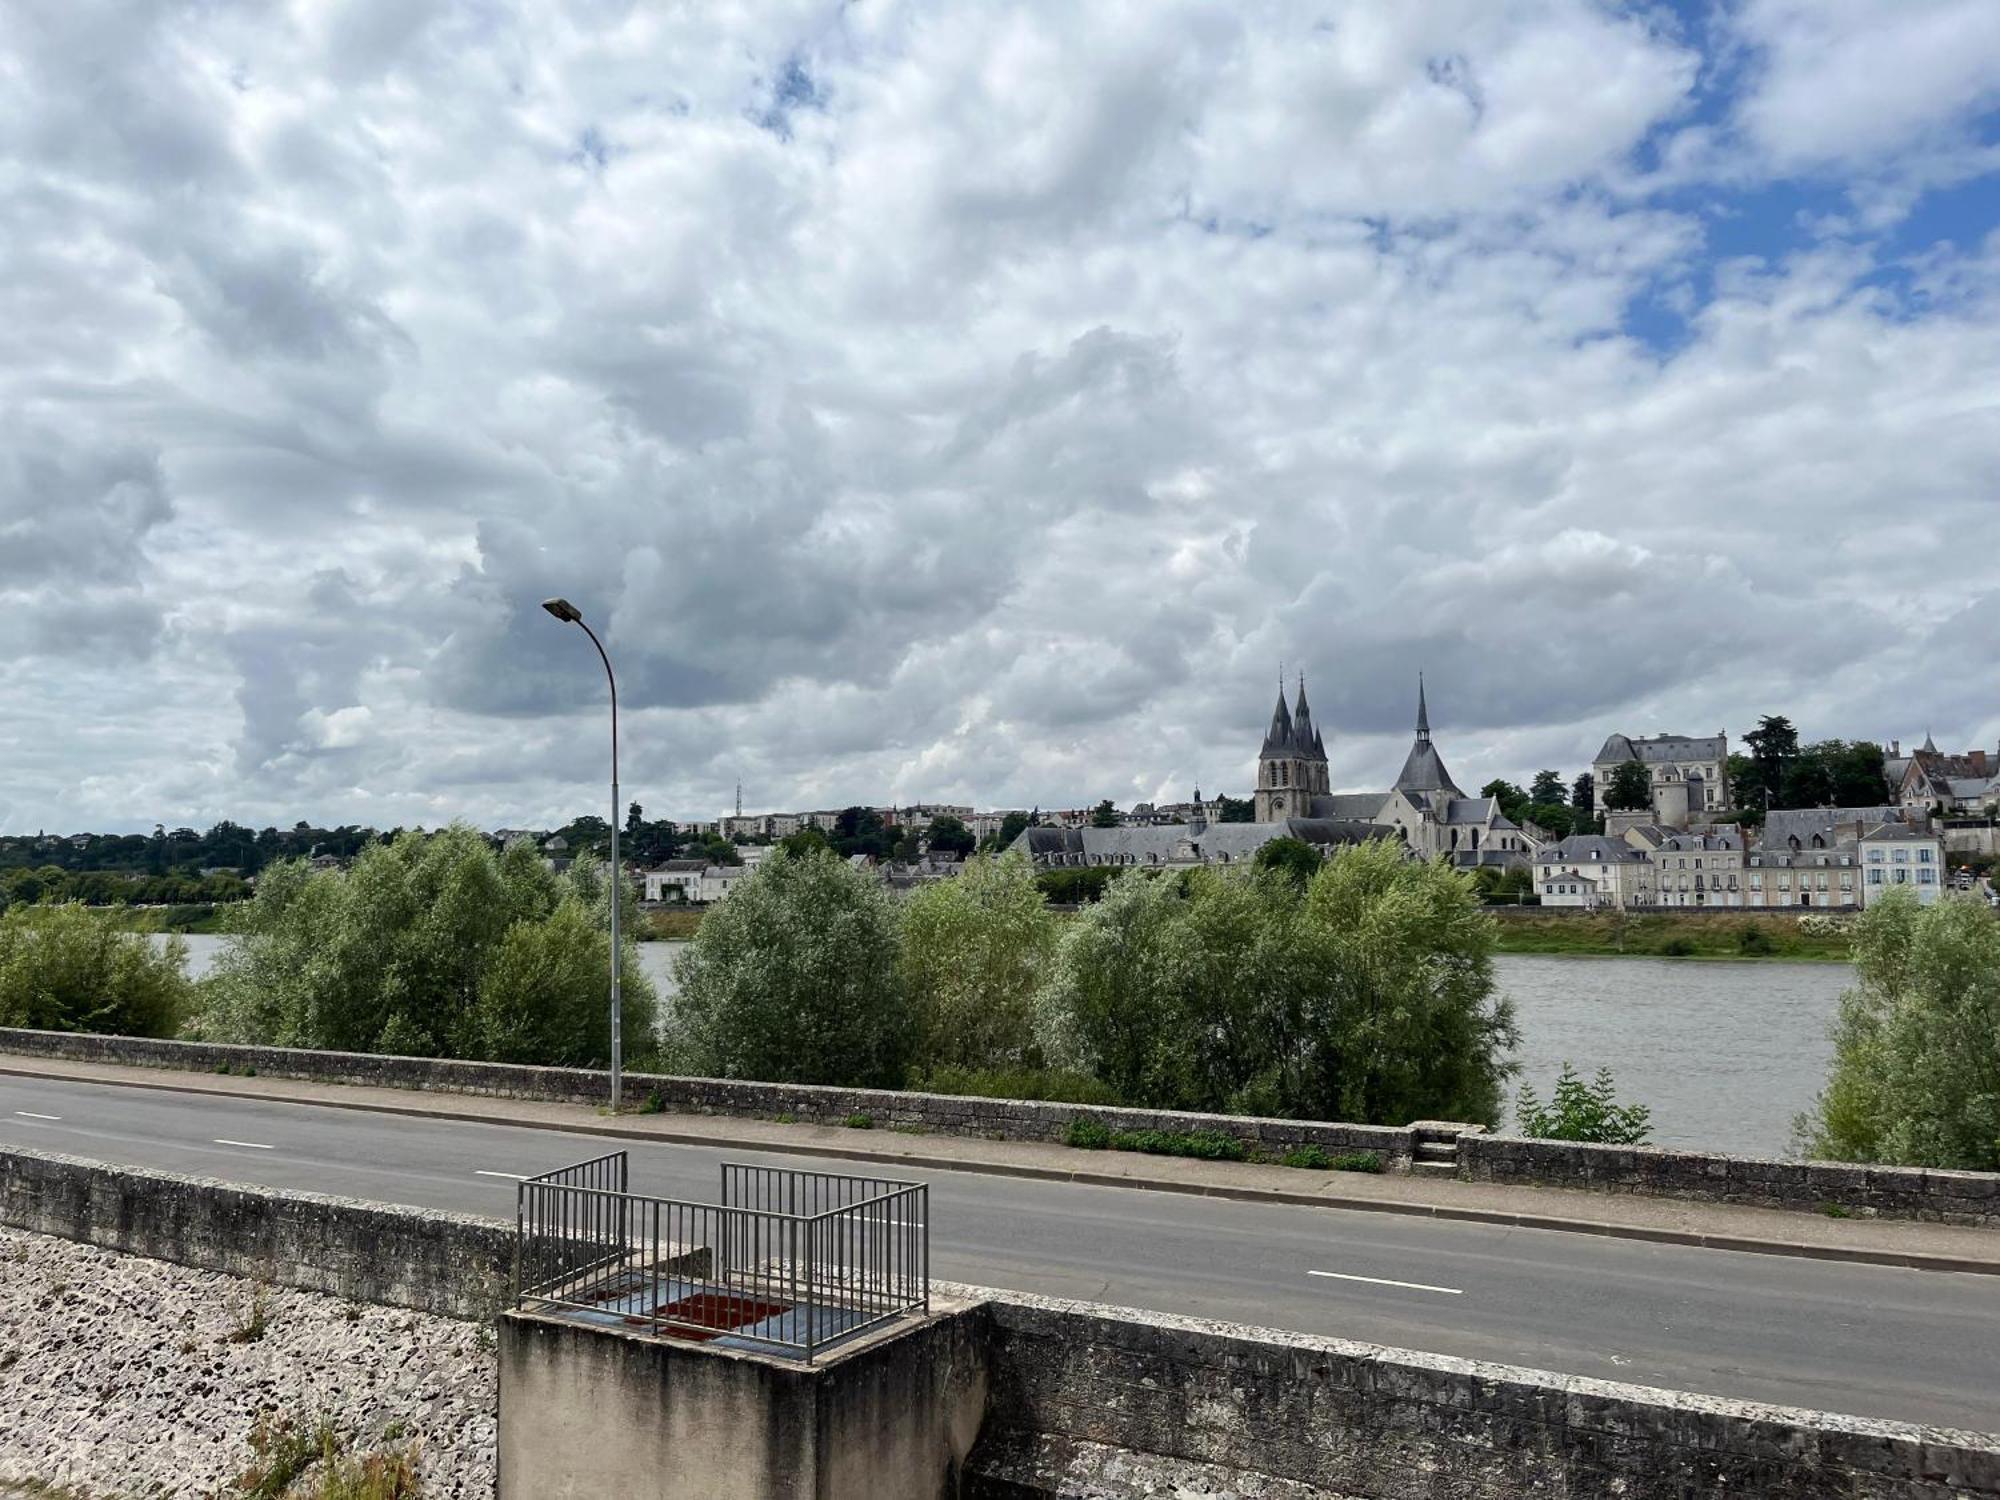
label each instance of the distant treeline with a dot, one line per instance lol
(25, 887)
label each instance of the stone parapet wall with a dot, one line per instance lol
(1111, 1403)
(456, 1265)
(1969, 1198)
(937, 1114)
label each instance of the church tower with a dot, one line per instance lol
(1291, 766)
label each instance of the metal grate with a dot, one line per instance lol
(789, 1260)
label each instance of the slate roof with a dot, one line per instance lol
(1620, 748)
(1161, 844)
(1895, 833)
(1589, 848)
(1780, 824)
(1680, 843)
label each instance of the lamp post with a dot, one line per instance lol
(569, 614)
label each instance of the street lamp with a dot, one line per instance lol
(569, 614)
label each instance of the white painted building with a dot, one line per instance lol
(1895, 855)
(1591, 869)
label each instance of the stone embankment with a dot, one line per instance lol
(126, 1376)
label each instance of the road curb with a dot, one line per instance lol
(1086, 1177)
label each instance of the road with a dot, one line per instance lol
(1875, 1341)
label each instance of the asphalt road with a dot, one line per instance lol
(1918, 1346)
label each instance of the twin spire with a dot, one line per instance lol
(1292, 734)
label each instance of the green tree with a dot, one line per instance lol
(1104, 815)
(63, 969)
(806, 841)
(543, 997)
(1772, 744)
(1916, 1068)
(1555, 817)
(1513, 801)
(1583, 798)
(1297, 860)
(1746, 789)
(1548, 788)
(1235, 810)
(1582, 1111)
(1012, 827)
(1631, 788)
(796, 979)
(949, 835)
(974, 951)
(398, 953)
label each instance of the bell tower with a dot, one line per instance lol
(1291, 766)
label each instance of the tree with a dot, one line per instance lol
(807, 840)
(974, 951)
(1553, 817)
(404, 951)
(1582, 1112)
(635, 820)
(1807, 779)
(949, 835)
(1746, 789)
(1915, 1079)
(796, 979)
(63, 969)
(1295, 859)
(1772, 743)
(1012, 827)
(1583, 798)
(859, 830)
(1513, 801)
(1631, 788)
(1104, 815)
(1369, 998)
(1548, 788)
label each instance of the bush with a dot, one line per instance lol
(64, 969)
(1357, 1161)
(859, 1122)
(1208, 1145)
(1679, 947)
(974, 951)
(1582, 1112)
(432, 945)
(1087, 1135)
(796, 979)
(1753, 942)
(1311, 1158)
(1075, 886)
(1915, 1080)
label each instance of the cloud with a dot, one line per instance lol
(938, 400)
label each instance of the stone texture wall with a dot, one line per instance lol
(939, 1114)
(1113, 1403)
(1888, 1192)
(457, 1265)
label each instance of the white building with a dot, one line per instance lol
(1823, 870)
(1896, 855)
(718, 881)
(1689, 774)
(1591, 869)
(674, 880)
(1697, 869)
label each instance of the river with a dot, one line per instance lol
(1725, 1054)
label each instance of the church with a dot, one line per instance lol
(1425, 807)
(1424, 810)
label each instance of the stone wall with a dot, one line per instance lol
(1888, 1192)
(937, 1114)
(1114, 1403)
(457, 1265)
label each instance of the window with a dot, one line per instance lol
(1923, 856)
(1927, 877)
(1847, 881)
(1902, 877)
(1756, 882)
(1874, 856)
(1901, 856)
(1874, 877)
(1784, 882)
(1822, 880)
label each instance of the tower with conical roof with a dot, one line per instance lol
(1291, 766)
(1423, 769)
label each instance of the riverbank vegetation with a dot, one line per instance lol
(62, 968)
(431, 946)
(1916, 1071)
(1364, 994)
(1696, 934)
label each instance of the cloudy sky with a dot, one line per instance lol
(965, 402)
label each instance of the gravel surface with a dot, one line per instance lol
(119, 1376)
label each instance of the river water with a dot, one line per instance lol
(1725, 1054)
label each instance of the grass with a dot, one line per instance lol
(859, 1122)
(1206, 1145)
(294, 1459)
(1087, 1135)
(256, 1318)
(1739, 935)
(668, 926)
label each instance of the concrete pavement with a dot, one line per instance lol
(1873, 1340)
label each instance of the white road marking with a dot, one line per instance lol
(1414, 1286)
(31, 1115)
(253, 1145)
(511, 1176)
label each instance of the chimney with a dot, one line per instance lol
(1978, 759)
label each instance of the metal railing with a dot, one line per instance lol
(794, 1260)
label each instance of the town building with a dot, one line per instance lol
(673, 880)
(1897, 856)
(1822, 870)
(1593, 870)
(1697, 869)
(1689, 776)
(1967, 784)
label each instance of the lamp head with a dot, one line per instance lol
(563, 610)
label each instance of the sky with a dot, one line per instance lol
(955, 402)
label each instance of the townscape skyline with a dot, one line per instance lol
(975, 404)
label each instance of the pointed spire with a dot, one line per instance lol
(1930, 745)
(1423, 711)
(1279, 740)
